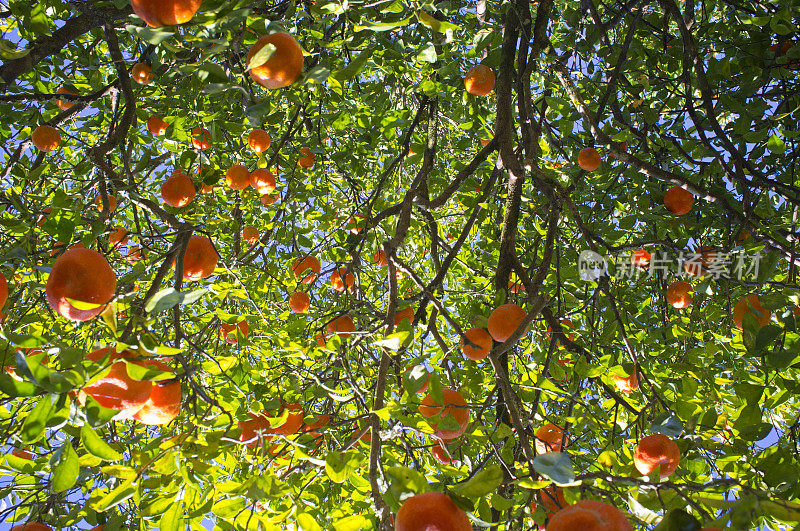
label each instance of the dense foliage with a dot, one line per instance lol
(475, 201)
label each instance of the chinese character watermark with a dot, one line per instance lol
(709, 262)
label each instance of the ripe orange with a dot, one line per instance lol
(44, 215)
(259, 140)
(431, 511)
(355, 225)
(112, 203)
(679, 294)
(164, 402)
(485, 142)
(200, 258)
(250, 234)
(22, 454)
(63, 104)
(551, 499)
(380, 259)
(307, 160)
(626, 384)
(454, 404)
(3, 290)
(269, 199)
(262, 180)
(299, 302)
(178, 190)
(589, 515)
(228, 331)
(338, 282)
(549, 437)
(201, 138)
(117, 390)
(320, 421)
(119, 236)
(237, 177)
(761, 314)
(284, 65)
(142, 73)
(479, 80)
(157, 13)
(255, 429)
(31, 526)
(294, 420)
(678, 200)
(482, 339)
(46, 138)
(82, 275)
(589, 159)
(656, 451)
(134, 254)
(157, 125)
(440, 453)
(565, 323)
(641, 257)
(306, 269)
(405, 313)
(342, 325)
(622, 146)
(504, 320)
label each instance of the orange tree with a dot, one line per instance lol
(435, 162)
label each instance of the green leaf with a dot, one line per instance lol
(555, 466)
(173, 520)
(381, 26)
(169, 297)
(34, 424)
(13, 388)
(339, 465)
(307, 522)
(765, 336)
(667, 424)
(152, 35)
(261, 56)
(105, 501)
(355, 66)
(776, 145)
(83, 305)
(482, 483)
(96, 446)
(66, 471)
(228, 508)
(439, 26)
(415, 378)
(678, 520)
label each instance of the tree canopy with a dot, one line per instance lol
(286, 265)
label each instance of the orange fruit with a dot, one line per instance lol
(379, 258)
(761, 314)
(342, 325)
(262, 180)
(157, 13)
(259, 140)
(678, 200)
(22, 454)
(164, 402)
(485, 142)
(479, 337)
(284, 65)
(431, 511)
(178, 190)
(479, 80)
(31, 526)
(250, 234)
(440, 454)
(3, 290)
(119, 236)
(589, 515)
(551, 499)
(307, 160)
(63, 104)
(82, 275)
(622, 146)
(405, 313)
(306, 269)
(237, 177)
(679, 294)
(355, 225)
(46, 138)
(626, 384)
(320, 421)
(157, 125)
(44, 215)
(589, 159)
(112, 203)
(142, 73)
(549, 438)
(641, 257)
(117, 390)
(200, 258)
(201, 138)
(454, 404)
(255, 429)
(340, 277)
(299, 302)
(294, 421)
(228, 331)
(504, 320)
(656, 451)
(565, 323)
(269, 199)
(134, 254)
